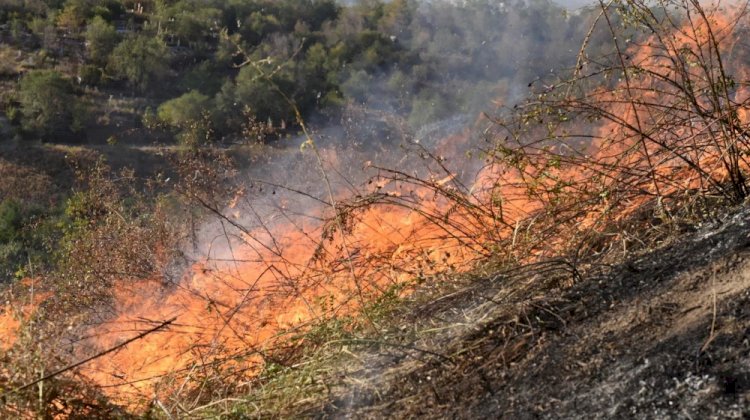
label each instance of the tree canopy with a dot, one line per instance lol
(262, 58)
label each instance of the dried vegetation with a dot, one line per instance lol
(583, 187)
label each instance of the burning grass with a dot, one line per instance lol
(636, 146)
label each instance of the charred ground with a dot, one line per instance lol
(662, 335)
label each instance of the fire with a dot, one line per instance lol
(282, 277)
(234, 313)
(279, 279)
(9, 324)
(12, 317)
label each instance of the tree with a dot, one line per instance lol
(48, 105)
(74, 14)
(101, 39)
(189, 22)
(141, 60)
(188, 107)
(319, 77)
(254, 95)
(191, 115)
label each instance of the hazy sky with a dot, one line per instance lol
(574, 4)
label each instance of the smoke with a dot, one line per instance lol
(327, 211)
(575, 5)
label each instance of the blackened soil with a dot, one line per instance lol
(664, 335)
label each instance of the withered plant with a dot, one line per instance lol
(637, 143)
(655, 129)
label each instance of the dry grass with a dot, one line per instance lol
(552, 210)
(11, 61)
(649, 172)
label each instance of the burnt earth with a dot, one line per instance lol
(664, 335)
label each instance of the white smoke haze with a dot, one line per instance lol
(491, 57)
(505, 59)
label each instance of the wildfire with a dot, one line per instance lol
(233, 314)
(283, 276)
(284, 279)
(12, 317)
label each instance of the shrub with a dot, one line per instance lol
(48, 104)
(181, 111)
(101, 39)
(140, 60)
(90, 75)
(190, 114)
(10, 220)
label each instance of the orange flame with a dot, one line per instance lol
(232, 314)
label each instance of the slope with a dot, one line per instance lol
(663, 335)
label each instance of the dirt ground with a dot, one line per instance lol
(664, 335)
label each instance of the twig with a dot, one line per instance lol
(94, 357)
(390, 344)
(712, 333)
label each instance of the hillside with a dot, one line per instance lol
(283, 209)
(661, 335)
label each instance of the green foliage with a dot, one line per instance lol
(424, 60)
(10, 220)
(150, 120)
(189, 22)
(206, 77)
(26, 236)
(74, 14)
(180, 111)
(190, 115)
(48, 104)
(11, 256)
(356, 85)
(101, 39)
(90, 75)
(13, 114)
(254, 95)
(257, 94)
(141, 60)
(109, 9)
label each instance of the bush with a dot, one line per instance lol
(11, 249)
(90, 75)
(190, 114)
(10, 220)
(101, 39)
(140, 60)
(11, 256)
(13, 114)
(48, 105)
(181, 111)
(253, 91)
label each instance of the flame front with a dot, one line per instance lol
(233, 314)
(651, 139)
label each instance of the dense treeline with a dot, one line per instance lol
(211, 68)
